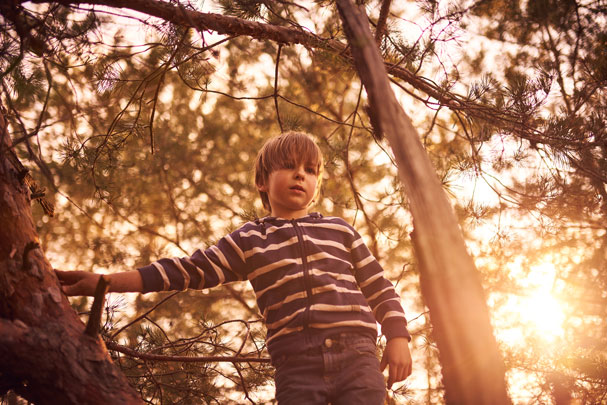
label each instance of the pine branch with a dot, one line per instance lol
(36, 192)
(381, 21)
(510, 122)
(185, 359)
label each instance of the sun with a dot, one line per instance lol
(543, 314)
(534, 311)
(543, 311)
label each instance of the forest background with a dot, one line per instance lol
(144, 133)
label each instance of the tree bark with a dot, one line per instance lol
(46, 357)
(473, 371)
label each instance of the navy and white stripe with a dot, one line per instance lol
(313, 273)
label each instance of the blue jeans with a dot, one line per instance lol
(344, 370)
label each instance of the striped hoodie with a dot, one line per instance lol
(313, 277)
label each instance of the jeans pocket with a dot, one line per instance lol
(364, 347)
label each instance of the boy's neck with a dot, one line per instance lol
(290, 214)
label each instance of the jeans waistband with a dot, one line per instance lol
(314, 338)
(339, 341)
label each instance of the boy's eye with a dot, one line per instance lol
(311, 170)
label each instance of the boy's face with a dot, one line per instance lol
(291, 189)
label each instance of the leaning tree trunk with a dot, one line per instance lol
(473, 371)
(45, 355)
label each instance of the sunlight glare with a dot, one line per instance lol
(534, 312)
(543, 313)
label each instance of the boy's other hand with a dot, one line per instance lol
(398, 357)
(78, 282)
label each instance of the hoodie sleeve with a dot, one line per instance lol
(379, 291)
(219, 264)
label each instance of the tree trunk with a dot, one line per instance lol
(46, 357)
(473, 371)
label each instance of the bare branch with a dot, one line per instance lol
(276, 87)
(145, 314)
(380, 29)
(226, 25)
(185, 359)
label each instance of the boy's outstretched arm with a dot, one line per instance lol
(398, 359)
(84, 283)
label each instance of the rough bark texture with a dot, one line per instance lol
(473, 371)
(46, 357)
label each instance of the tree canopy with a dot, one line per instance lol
(142, 119)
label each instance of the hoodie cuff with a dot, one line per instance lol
(395, 327)
(152, 280)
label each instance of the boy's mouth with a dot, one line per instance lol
(298, 188)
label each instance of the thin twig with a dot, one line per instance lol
(185, 359)
(146, 313)
(243, 383)
(381, 21)
(276, 87)
(355, 193)
(160, 82)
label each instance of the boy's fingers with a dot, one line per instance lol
(384, 362)
(71, 281)
(68, 290)
(67, 276)
(80, 288)
(391, 377)
(394, 376)
(72, 277)
(397, 374)
(402, 374)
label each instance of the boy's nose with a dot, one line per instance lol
(300, 172)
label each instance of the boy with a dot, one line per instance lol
(318, 287)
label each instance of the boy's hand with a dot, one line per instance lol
(398, 357)
(78, 282)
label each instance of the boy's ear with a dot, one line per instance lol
(262, 187)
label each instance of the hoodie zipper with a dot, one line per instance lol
(306, 272)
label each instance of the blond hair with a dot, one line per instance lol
(283, 151)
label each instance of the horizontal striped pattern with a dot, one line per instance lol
(313, 273)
